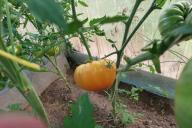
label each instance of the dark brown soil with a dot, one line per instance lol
(152, 111)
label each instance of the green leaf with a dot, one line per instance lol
(82, 114)
(75, 25)
(99, 32)
(82, 3)
(183, 101)
(157, 65)
(160, 3)
(48, 10)
(107, 20)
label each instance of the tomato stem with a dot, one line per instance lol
(126, 41)
(130, 19)
(86, 45)
(59, 72)
(73, 10)
(149, 11)
(80, 33)
(114, 95)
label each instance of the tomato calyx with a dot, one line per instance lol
(109, 64)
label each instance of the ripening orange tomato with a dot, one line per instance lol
(96, 75)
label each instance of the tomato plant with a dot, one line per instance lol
(96, 75)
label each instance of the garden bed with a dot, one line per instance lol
(151, 111)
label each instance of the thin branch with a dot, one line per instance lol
(110, 54)
(80, 33)
(86, 45)
(124, 44)
(114, 46)
(73, 10)
(128, 23)
(171, 61)
(175, 53)
(59, 72)
(150, 10)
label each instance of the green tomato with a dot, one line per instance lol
(53, 51)
(173, 17)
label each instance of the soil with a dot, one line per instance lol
(150, 111)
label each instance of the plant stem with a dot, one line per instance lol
(19, 60)
(119, 55)
(138, 59)
(80, 33)
(86, 45)
(59, 72)
(149, 11)
(109, 54)
(9, 25)
(73, 10)
(124, 44)
(128, 23)
(32, 97)
(115, 94)
(126, 41)
(179, 55)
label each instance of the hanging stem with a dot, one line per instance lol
(59, 72)
(86, 45)
(73, 10)
(80, 33)
(128, 23)
(109, 54)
